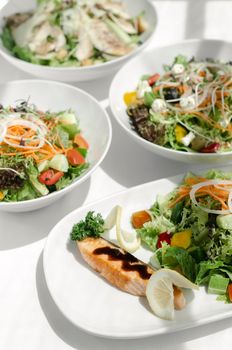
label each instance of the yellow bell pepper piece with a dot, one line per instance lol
(180, 132)
(2, 195)
(181, 239)
(130, 98)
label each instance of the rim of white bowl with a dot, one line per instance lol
(134, 134)
(5, 52)
(78, 181)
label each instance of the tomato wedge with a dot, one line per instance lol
(153, 79)
(80, 141)
(75, 158)
(50, 177)
(230, 292)
(163, 237)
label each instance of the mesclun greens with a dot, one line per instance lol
(191, 231)
(91, 226)
(73, 33)
(40, 152)
(187, 108)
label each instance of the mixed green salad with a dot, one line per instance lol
(65, 33)
(40, 152)
(190, 230)
(187, 108)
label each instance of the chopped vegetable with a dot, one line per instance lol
(230, 292)
(130, 98)
(75, 157)
(181, 239)
(81, 142)
(139, 218)
(218, 284)
(163, 237)
(153, 79)
(180, 133)
(50, 177)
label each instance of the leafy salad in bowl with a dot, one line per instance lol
(73, 33)
(187, 108)
(40, 151)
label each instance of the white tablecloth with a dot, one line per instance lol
(29, 319)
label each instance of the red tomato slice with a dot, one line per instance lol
(50, 177)
(163, 237)
(153, 79)
(80, 141)
(230, 292)
(75, 158)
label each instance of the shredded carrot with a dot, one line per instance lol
(218, 194)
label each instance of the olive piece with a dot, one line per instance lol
(171, 93)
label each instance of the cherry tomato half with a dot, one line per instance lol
(212, 148)
(153, 79)
(50, 177)
(74, 157)
(163, 237)
(230, 292)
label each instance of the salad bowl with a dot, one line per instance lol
(83, 73)
(54, 97)
(154, 61)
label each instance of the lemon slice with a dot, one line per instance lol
(110, 220)
(129, 241)
(160, 294)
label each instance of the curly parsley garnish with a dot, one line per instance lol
(91, 226)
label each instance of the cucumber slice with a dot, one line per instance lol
(59, 162)
(118, 31)
(71, 129)
(218, 284)
(224, 221)
(39, 187)
(68, 118)
(43, 166)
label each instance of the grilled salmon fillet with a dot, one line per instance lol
(117, 266)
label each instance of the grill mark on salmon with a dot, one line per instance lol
(117, 266)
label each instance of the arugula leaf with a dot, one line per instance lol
(91, 226)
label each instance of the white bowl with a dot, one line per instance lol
(75, 74)
(151, 62)
(53, 96)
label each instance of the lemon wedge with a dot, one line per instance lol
(160, 294)
(110, 220)
(129, 241)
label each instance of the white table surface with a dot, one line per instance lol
(29, 319)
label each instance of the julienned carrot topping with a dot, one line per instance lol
(218, 194)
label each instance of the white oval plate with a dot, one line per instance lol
(151, 62)
(97, 307)
(75, 74)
